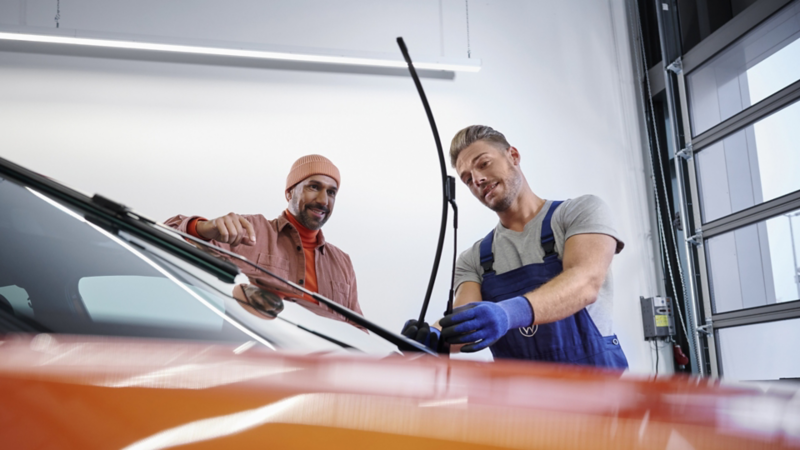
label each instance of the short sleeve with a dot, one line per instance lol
(468, 267)
(589, 214)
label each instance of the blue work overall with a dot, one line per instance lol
(573, 340)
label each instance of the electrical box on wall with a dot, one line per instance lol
(657, 317)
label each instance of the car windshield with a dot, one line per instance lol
(66, 271)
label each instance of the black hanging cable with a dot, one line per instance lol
(448, 194)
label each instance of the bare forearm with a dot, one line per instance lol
(206, 230)
(587, 258)
(563, 296)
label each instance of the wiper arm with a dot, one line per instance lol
(402, 342)
(448, 196)
(448, 189)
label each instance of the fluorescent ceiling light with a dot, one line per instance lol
(242, 53)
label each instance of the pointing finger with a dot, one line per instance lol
(224, 235)
(239, 232)
(232, 235)
(251, 232)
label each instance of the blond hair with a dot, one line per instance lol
(472, 134)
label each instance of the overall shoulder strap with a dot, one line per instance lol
(487, 257)
(548, 240)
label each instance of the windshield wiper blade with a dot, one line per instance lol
(402, 342)
(448, 196)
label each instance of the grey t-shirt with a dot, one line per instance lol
(512, 249)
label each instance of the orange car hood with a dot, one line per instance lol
(86, 392)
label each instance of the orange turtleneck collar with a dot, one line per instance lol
(309, 237)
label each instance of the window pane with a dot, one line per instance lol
(760, 64)
(755, 265)
(144, 301)
(751, 166)
(17, 299)
(754, 352)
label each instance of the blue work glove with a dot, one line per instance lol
(481, 324)
(422, 333)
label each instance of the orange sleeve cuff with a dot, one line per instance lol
(191, 227)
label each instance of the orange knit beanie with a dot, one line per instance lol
(311, 165)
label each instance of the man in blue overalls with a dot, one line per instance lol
(538, 286)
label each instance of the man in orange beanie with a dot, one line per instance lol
(292, 245)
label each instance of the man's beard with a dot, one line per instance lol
(512, 184)
(311, 223)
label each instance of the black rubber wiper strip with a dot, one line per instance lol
(448, 194)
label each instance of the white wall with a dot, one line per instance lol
(168, 138)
